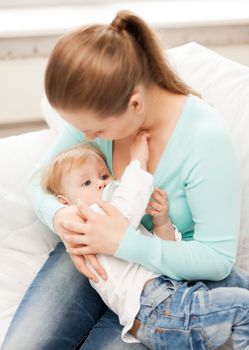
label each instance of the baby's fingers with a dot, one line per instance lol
(156, 206)
(152, 212)
(161, 192)
(142, 134)
(160, 196)
(156, 209)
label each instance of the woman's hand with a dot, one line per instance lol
(72, 213)
(80, 264)
(99, 234)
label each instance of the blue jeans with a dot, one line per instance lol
(60, 310)
(181, 315)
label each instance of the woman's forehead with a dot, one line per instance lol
(90, 121)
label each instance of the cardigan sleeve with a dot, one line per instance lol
(44, 204)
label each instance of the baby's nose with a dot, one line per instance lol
(102, 185)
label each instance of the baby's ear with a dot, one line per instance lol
(62, 199)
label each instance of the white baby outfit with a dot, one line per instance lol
(121, 292)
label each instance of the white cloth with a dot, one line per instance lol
(121, 292)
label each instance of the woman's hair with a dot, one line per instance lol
(97, 67)
(70, 158)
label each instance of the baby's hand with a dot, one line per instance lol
(158, 207)
(139, 148)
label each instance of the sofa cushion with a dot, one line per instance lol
(225, 85)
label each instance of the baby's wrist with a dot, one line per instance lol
(161, 221)
(167, 231)
(142, 162)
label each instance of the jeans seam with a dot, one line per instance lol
(80, 342)
(215, 312)
(151, 321)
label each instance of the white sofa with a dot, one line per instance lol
(25, 242)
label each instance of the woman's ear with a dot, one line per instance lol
(62, 199)
(136, 102)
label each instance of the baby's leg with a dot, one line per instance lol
(236, 278)
(195, 318)
(221, 312)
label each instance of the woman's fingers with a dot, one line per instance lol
(93, 260)
(85, 211)
(107, 207)
(100, 234)
(83, 250)
(74, 226)
(75, 239)
(81, 266)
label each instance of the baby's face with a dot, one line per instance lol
(86, 182)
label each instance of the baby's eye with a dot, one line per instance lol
(104, 177)
(87, 183)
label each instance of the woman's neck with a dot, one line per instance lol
(162, 108)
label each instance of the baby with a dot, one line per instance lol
(81, 172)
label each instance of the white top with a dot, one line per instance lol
(121, 292)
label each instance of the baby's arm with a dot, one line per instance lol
(158, 208)
(135, 190)
(131, 197)
(139, 149)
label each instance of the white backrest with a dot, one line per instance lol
(225, 85)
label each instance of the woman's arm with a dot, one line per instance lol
(44, 204)
(51, 212)
(212, 185)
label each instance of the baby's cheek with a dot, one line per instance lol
(90, 197)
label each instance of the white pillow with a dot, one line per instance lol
(53, 119)
(225, 85)
(24, 241)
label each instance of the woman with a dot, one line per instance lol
(109, 82)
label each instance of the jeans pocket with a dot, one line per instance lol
(171, 339)
(158, 301)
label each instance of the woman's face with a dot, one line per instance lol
(109, 128)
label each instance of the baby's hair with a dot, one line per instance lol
(64, 161)
(98, 66)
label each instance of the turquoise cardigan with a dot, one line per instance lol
(199, 171)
